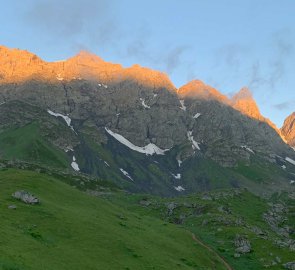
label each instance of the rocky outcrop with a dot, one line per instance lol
(288, 129)
(242, 244)
(289, 265)
(244, 102)
(25, 197)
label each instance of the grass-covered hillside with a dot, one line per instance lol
(73, 230)
(248, 232)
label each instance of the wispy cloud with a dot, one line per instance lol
(173, 58)
(232, 56)
(285, 105)
(275, 69)
(141, 48)
(60, 20)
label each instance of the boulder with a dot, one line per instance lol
(25, 197)
(290, 265)
(242, 244)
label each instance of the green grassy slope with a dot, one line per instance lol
(72, 230)
(217, 217)
(26, 143)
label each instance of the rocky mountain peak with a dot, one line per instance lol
(244, 93)
(86, 57)
(244, 102)
(288, 129)
(197, 89)
(148, 77)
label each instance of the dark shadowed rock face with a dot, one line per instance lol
(288, 129)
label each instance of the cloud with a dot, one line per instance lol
(284, 105)
(275, 69)
(231, 55)
(60, 20)
(173, 58)
(256, 78)
(141, 49)
(138, 45)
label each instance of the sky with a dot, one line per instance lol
(228, 44)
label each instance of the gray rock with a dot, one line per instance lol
(170, 207)
(145, 202)
(13, 207)
(242, 244)
(25, 197)
(206, 197)
(290, 265)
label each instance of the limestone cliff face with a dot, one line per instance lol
(288, 129)
(142, 105)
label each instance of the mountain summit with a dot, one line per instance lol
(198, 89)
(244, 102)
(288, 129)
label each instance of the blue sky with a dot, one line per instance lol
(228, 44)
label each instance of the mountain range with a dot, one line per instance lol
(134, 127)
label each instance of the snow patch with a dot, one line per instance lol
(2, 103)
(65, 117)
(69, 149)
(179, 162)
(126, 174)
(290, 160)
(144, 104)
(149, 149)
(102, 85)
(247, 148)
(196, 115)
(190, 137)
(291, 147)
(75, 165)
(284, 167)
(292, 182)
(106, 163)
(155, 95)
(177, 176)
(183, 107)
(179, 188)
